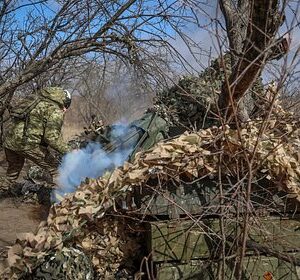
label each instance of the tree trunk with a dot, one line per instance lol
(251, 27)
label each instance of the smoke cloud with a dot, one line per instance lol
(93, 161)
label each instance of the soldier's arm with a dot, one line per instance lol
(52, 134)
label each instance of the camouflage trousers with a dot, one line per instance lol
(16, 159)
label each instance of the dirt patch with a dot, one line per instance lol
(17, 217)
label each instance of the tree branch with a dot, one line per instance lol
(270, 252)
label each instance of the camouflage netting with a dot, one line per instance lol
(56, 266)
(192, 102)
(81, 220)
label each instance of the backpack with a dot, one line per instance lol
(22, 109)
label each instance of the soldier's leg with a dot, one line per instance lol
(15, 162)
(40, 156)
(8, 182)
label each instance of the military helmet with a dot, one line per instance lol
(68, 99)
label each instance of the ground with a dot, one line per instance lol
(16, 216)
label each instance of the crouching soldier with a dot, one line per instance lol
(34, 128)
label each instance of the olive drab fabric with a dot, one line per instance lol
(140, 134)
(154, 129)
(43, 126)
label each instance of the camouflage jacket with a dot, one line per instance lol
(42, 127)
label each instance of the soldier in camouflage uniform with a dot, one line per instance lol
(31, 138)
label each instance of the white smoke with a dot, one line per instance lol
(92, 161)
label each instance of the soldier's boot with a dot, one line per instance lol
(41, 183)
(9, 188)
(12, 174)
(4, 187)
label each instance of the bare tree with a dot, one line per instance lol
(41, 39)
(52, 32)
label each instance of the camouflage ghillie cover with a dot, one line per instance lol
(192, 102)
(38, 175)
(272, 145)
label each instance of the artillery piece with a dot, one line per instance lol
(182, 209)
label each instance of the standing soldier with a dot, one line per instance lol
(35, 126)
